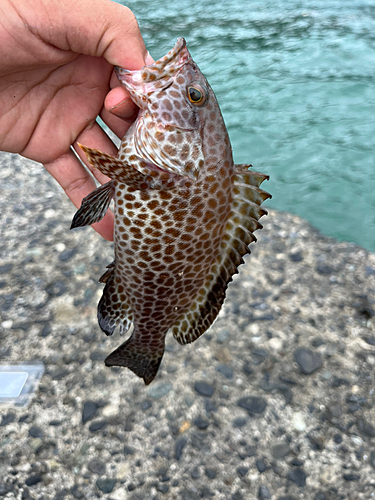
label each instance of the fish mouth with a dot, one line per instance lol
(155, 76)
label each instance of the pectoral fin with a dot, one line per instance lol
(94, 206)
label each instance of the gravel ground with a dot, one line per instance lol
(275, 401)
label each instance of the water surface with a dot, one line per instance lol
(296, 84)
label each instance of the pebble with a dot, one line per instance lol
(34, 479)
(203, 388)
(298, 422)
(264, 493)
(365, 427)
(36, 432)
(210, 473)
(179, 446)
(105, 485)
(253, 404)
(242, 471)
(7, 419)
(89, 411)
(222, 336)
(261, 465)
(351, 477)
(225, 370)
(96, 467)
(297, 476)
(96, 426)
(201, 422)
(308, 361)
(239, 422)
(372, 458)
(279, 451)
(159, 390)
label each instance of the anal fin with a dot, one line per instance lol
(113, 309)
(140, 359)
(94, 206)
(242, 222)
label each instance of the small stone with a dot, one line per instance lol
(296, 256)
(89, 410)
(369, 340)
(36, 432)
(351, 477)
(337, 438)
(7, 419)
(98, 355)
(105, 485)
(253, 404)
(96, 426)
(159, 390)
(320, 496)
(128, 450)
(59, 373)
(5, 489)
(324, 269)
(35, 479)
(261, 465)
(163, 488)
(195, 474)
(279, 451)
(225, 370)
(239, 422)
(372, 459)
(66, 255)
(47, 330)
(298, 476)
(204, 389)
(365, 427)
(242, 471)
(308, 361)
(264, 493)
(298, 422)
(179, 446)
(210, 473)
(96, 467)
(201, 422)
(76, 492)
(222, 336)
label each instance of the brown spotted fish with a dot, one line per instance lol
(184, 213)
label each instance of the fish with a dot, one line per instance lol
(185, 214)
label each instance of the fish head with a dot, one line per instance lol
(173, 97)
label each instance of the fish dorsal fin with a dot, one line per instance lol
(94, 206)
(242, 222)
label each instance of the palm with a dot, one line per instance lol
(52, 105)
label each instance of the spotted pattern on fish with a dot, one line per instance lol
(184, 213)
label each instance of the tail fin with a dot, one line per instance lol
(143, 360)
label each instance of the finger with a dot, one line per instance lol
(119, 103)
(118, 125)
(77, 183)
(99, 28)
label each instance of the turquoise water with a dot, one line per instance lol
(296, 84)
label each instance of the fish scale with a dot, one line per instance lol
(184, 213)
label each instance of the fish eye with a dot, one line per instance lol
(197, 94)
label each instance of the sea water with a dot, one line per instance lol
(296, 84)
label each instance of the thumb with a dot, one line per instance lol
(99, 28)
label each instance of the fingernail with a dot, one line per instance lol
(149, 59)
(123, 109)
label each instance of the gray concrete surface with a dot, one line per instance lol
(275, 401)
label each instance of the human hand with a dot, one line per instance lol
(56, 70)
